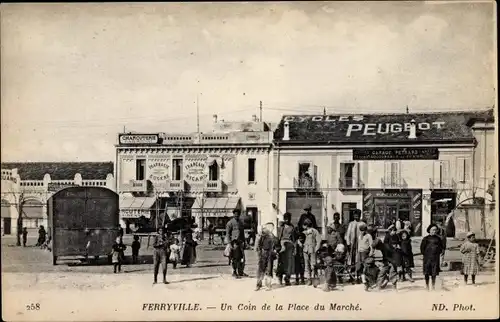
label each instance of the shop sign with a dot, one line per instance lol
(139, 138)
(195, 171)
(134, 213)
(382, 194)
(158, 171)
(396, 154)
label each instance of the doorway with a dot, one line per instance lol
(389, 209)
(254, 218)
(7, 226)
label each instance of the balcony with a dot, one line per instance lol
(135, 186)
(213, 186)
(350, 184)
(176, 185)
(304, 184)
(444, 184)
(393, 183)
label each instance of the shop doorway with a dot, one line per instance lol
(254, 219)
(388, 210)
(6, 218)
(7, 226)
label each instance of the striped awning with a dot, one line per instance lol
(215, 207)
(135, 207)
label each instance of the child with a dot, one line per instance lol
(370, 273)
(470, 258)
(175, 253)
(25, 236)
(118, 249)
(136, 245)
(407, 256)
(299, 259)
(266, 247)
(312, 244)
(365, 248)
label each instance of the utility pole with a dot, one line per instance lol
(197, 114)
(260, 108)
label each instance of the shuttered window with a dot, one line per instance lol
(463, 169)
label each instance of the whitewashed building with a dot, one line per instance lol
(409, 166)
(206, 175)
(33, 183)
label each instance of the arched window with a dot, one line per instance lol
(213, 171)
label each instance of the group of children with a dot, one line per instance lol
(118, 252)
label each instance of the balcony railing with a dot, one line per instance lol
(304, 184)
(448, 184)
(135, 186)
(213, 186)
(393, 183)
(176, 185)
(350, 184)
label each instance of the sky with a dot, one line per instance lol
(75, 75)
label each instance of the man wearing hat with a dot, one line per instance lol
(352, 236)
(307, 215)
(235, 236)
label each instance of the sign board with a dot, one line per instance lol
(195, 171)
(124, 213)
(52, 187)
(158, 171)
(139, 138)
(136, 186)
(396, 154)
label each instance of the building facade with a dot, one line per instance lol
(206, 175)
(27, 186)
(415, 167)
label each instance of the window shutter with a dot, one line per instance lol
(467, 169)
(342, 173)
(314, 174)
(461, 169)
(355, 175)
(387, 172)
(445, 172)
(436, 170)
(394, 173)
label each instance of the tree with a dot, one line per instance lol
(20, 211)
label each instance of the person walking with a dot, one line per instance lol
(25, 236)
(211, 233)
(432, 250)
(235, 236)
(312, 244)
(308, 215)
(286, 237)
(470, 258)
(160, 246)
(42, 235)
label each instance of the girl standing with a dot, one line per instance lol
(470, 258)
(266, 246)
(407, 256)
(175, 253)
(117, 254)
(432, 250)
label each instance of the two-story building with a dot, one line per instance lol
(28, 186)
(410, 166)
(206, 175)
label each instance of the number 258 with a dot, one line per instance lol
(33, 307)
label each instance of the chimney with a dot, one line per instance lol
(254, 118)
(286, 133)
(413, 130)
(215, 118)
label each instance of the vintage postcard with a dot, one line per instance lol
(249, 161)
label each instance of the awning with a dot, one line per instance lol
(135, 207)
(215, 207)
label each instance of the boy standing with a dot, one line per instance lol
(266, 250)
(312, 244)
(136, 245)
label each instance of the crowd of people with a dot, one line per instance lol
(345, 251)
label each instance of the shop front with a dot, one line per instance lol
(215, 210)
(382, 207)
(136, 214)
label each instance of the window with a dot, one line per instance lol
(140, 169)
(177, 170)
(392, 174)
(251, 170)
(443, 171)
(349, 174)
(306, 178)
(463, 169)
(213, 171)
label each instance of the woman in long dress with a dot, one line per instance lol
(470, 258)
(286, 237)
(432, 249)
(188, 250)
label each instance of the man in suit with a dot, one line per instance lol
(235, 236)
(307, 215)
